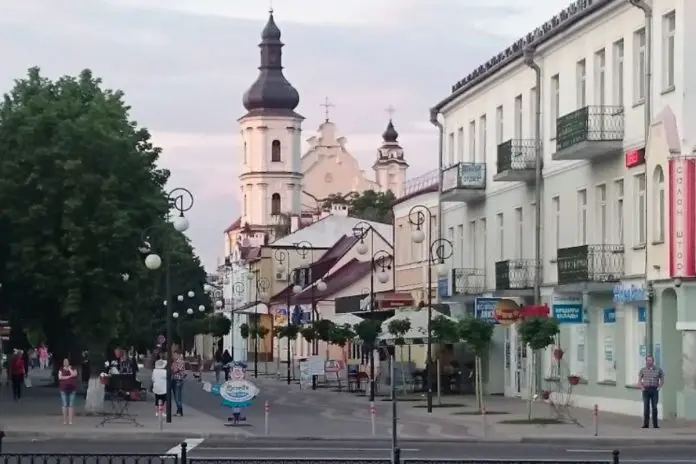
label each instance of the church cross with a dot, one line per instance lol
(390, 110)
(326, 106)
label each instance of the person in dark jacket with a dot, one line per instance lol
(226, 364)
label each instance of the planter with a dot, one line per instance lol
(545, 394)
(573, 379)
(558, 354)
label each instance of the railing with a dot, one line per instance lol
(421, 182)
(468, 281)
(89, 458)
(517, 155)
(591, 123)
(515, 274)
(590, 263)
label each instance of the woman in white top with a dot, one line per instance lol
(159, 382)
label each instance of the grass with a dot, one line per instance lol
(532, 421)
(442, 405)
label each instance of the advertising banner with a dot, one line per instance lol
(682, 204)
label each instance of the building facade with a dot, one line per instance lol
(615, 233)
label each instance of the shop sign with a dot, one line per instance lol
(484, 308)
(642, 314)
(443, 286)
(609, 315)
(568, 312)
(629, 293)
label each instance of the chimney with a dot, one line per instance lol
(294, 223)
(339, 209)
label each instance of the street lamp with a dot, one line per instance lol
(380, 263)
(282, 257)
(439, 250)
(261, 285)
(181, 200)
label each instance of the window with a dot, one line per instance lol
(275, 203)
(578, 350)
(619, 73)
(244, 206)
(659, 205)
(461, 240)
(619, 211)
(640, 208)
(600, 77)
(482, 139)
(606, 368)
(275, 151)
(484, 248)
(501, 237)
(635, 342)
(555, 103)
(472, 142)
(460, 144)
(499, 125)
(450, 236)
(532, 217)
(582, 217)
(519, 235)
(532, 113)
(473, 240)
(639, 66)
(602, 213)
(245, 153)
(450, 149)
(668, 26)
(518, 117)
(556, 204)
(581, 83)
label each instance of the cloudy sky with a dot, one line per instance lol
(184, 65)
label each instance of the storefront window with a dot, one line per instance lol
(578, 345)
(570, 314)
(606, 328)
(635, 342)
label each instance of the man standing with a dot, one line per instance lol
(651, 379)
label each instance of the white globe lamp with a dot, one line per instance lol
(442, 270)
(418, 236)
(191, 294)
(153, 261)
(175, 315)
(361, 248)
(207, 288)
(296, 289)
(383, 277)
(201, 308)
(125, 277)
(181, 224)
(180, 297)
(321, 286)
(146, 247)
(164, 303)
(189, 311)
(218, 304)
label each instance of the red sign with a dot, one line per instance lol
(535, 311)
(635, 157)
(682, 214)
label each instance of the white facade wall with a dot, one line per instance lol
(236, 292)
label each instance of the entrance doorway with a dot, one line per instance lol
(516, 364)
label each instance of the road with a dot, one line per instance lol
(284, 449)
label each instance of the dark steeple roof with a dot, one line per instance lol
(390, 135)
(271, 93)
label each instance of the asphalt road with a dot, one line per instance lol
(345, 449)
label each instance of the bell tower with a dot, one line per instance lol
(390, 166)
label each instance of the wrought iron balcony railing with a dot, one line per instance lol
(590, 124)
(515, 274)
(468, 281)
(517, 154)
(590, 263)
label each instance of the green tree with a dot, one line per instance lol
(336, 199)
(536, 333)
(477, 335)
(373, 206)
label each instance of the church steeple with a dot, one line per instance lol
(390, 135)
(271, 94)
(390, 166)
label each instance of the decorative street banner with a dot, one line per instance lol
(682, 214)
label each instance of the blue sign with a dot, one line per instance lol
(641, 314)
(629, 293)
(568, 313)
(443, 286)
(484, 308)
(609, 315)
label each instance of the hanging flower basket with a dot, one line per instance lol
(557, 354)
(545, 395)
(573, 379)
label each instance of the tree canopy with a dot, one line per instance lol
(369, 205)
(79, 184)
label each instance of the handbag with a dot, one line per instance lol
(27, 382)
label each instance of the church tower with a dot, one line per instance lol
(271, 172)
(390, 167)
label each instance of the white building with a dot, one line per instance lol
(605, 211)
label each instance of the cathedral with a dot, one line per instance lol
(277, 181)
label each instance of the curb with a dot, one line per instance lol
(609, 441)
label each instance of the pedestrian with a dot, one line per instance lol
(43, 357)
(67, 383)
(159, 384)
(17, 373)
(178, 377)
(651, 379)
(226, 364)
(217, 365)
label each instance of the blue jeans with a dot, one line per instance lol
(177, 394)
(651, 396)
(67, 398)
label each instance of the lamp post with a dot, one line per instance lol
(380, 262)
(261, 287)
(304, 249)
(181, 200)
(282, 258)
(439, 249)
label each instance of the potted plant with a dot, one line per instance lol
(545, 395)
(398, 328)
(558, 353)
(244, 330)
(573, 379)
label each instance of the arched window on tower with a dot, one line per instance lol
(275, 203)
(659, 204)
(245, 153)
(275, 151)
(244, 207)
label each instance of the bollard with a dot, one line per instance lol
(373, 413)
(484, 416)
(2, 435)
(615, 457)
(184, 453)
(595, 418)
(266, 410)
(396, 456)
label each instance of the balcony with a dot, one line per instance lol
(515, 274)
(517, 161)
(590, 264)
(468, 281)
(464, 182)
(592, 132)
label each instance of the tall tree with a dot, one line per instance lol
(373, 206)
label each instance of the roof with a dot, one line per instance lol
(325, 232)
(235, 225)
(346, 275)
(560, 23)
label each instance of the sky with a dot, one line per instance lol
(184, 65)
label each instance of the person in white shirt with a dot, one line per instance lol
(159, 382)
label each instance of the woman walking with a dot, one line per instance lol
(67, 382)
(159, 385)
(178, 377)
(17, 372)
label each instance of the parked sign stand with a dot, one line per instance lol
(237, 394)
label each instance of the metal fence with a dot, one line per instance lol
(79, 458)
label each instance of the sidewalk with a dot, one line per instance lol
(38, 415)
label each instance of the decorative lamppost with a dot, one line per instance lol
(261, 285)
(181, 200)
(380, 263)
(439, 250)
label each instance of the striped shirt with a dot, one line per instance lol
(178, 369)
(651, 377)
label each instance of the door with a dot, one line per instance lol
(516, 364)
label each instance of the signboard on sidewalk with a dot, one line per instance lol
(316, 365)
